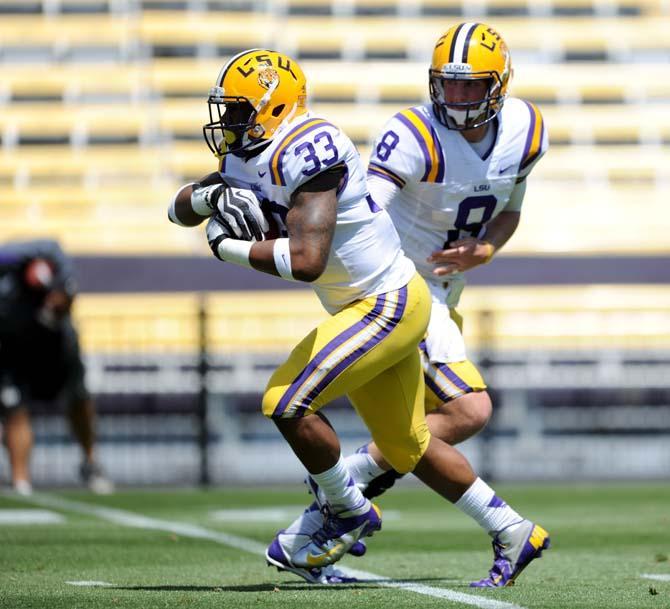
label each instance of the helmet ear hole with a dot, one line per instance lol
(278, 110)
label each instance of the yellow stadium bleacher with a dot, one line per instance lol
(558, 217)
(342, 37)
(346, 81)
(67, 31)
(559, 317)
(491, 8)
(183, 118)
(96, 160)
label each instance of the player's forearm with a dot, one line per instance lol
(190, 205)
(302, 257)
(181, 210)
(279, 257)
(501, 228)
(262, 258)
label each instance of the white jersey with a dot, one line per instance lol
(365, 257)
(447, 191)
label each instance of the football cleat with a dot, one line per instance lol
(276, 556)
(23, 488)
(358, 548)
(339, 533)
(513, 552)
(333, 539)
(95, 479)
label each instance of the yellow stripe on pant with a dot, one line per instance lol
(367, 351)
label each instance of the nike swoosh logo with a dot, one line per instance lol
(505, 169)
(318, 560)
(261, 173)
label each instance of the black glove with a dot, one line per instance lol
(239, 207)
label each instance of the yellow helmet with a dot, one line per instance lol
(470, 51)
(256, 93)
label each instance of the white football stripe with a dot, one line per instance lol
(90, 584)
(30, 517)
(460, 41)
(132, 519)
(665, 577)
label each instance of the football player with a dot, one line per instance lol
(40, 358)
(333, 235)
(452, 175)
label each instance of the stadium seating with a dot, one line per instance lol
(369, 82)
(102, 105)
(563, 318)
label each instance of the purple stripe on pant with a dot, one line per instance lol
(373, 317)
(325, 352)
(388, 324)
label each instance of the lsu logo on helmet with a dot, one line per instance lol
(256, 94)
(267, 77)
(470, 51)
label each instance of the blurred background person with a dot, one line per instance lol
(39, 356)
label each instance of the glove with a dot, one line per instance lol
(240, 209)
(218, 230)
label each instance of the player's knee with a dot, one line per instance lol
(462, 418)
(479, 410)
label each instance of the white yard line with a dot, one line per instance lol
(91, 584)
(130, 519)
(659, 578)
(22, 517)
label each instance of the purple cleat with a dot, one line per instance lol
(339, 534)
(512, 553)
(277, 556)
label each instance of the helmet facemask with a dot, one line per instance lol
(232, 127)
(464, 115)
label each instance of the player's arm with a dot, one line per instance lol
(195, 202)
(310, 223)
(469, 252)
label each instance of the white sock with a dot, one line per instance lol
(363, 468)
(339, 488)
(482, 504)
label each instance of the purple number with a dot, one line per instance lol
(310, 157)
(386, 145)
(487, 203)
(313, 158)
(329, 147)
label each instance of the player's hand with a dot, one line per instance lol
(239, 207)
(217, 230)
(463, 255)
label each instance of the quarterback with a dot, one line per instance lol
(452, 175)
(304, 171)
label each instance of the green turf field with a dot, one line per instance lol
(179, 555)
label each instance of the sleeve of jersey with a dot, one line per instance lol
(407, 150)
(536, 141)
(308, 149)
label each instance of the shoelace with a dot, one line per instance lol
(329, 528)
(499, 559)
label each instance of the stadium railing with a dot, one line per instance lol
(580, 377)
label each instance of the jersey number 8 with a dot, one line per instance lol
(485, 203)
